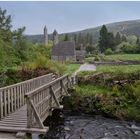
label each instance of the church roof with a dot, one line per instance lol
(55, 32)
(65, 48)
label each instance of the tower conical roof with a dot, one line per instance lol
(55, 32)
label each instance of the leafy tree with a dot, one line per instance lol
(20, 43)
(5, 26)
(132, 39)
(126, 47)
(108, 51)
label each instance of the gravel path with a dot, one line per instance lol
(86, 67)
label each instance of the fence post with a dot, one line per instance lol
(1, 105)
(29, 113)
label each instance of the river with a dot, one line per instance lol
(64, 126)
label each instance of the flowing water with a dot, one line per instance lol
(64, 126)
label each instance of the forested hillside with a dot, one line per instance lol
(131, 27)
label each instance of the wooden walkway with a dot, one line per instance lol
(24, 106)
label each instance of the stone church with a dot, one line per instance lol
(64, 50)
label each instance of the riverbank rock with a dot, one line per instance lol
(66, 128)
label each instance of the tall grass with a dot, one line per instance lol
(71, 68)
(123, 57)
(121, 69)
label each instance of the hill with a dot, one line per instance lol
(131, 27)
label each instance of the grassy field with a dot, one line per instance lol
(89, 90)
(89, 59)
(71, 68)
(126, 69)
(123, 57)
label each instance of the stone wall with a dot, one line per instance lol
(64, 58)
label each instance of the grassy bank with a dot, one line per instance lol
(126, 69)
(113, 92)
(134, 57)
(108, 102)
(34, 69)
(71, 68)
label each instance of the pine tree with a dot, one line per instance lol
(117, 39)
(138, 45)
(66, 38)
(103, 39)
(124, 38)
(110, 41)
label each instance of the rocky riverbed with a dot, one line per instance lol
(83, 126)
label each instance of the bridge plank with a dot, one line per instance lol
(27, 130)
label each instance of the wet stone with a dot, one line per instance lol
(92, 127)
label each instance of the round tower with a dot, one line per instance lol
(45, 36)
(55, 37)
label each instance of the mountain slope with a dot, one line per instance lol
(131, 27)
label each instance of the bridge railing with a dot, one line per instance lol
(12, 97)
(41, 101)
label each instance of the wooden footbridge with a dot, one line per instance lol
(24, 106)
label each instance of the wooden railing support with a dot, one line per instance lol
(54, 97)
(30, 118)
(41, 101)
(12, 97)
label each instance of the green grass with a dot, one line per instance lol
(89, 90)
(89, 59)
(123, 57)
(121, 68)
(71, 68)
(126, 69)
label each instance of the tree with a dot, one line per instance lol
(106, 39)
(20, 43)
(117, 39)
(66, 38)
(75, 38)
(110, 41)
(138, 45)
(123, 39)
(103, 39)
(5, 26)
(108, 51)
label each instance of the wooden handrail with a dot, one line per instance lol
(42, 100)
(30, 80)
(29, 94)
(12, 97)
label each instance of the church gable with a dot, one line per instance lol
(66, 48)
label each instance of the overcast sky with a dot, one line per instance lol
(68, 16)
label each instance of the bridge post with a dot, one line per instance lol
(1, 105)
(29, 114)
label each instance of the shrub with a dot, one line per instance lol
(108, 51)
(97, 58)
